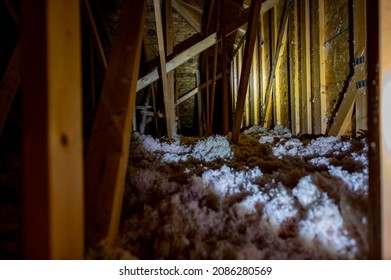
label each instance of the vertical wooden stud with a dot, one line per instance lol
(53, 169)
(294, 82)
(319, 69)
(251, 33)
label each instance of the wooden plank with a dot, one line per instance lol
(385, 125)
(343, 117)
(306, 118)
(96, 36)
(276, 80)
(294, 81)
(197, 48)
(187, 16)
(255, 86)
(199, 105)
(52, 163)
(224, 54)
(169, 27)
(195, 90)
(360, 35)
(168, 95)
(195, 9)
(251, 35)
(276, 61)
(319, 82)
(105, 164)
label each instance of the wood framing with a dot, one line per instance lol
(168, 95)
(294, 81)
(187, 16)
(201, 46)
(195, 90)
(267, 110)
(52, 157)
(224, 54)
(385, 125)
(319, 70)
(105, 164)
(357, 85)
(359, 10)
(305, 101)
(91, 22)
(251, 34)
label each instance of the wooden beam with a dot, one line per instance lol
(169, 27)
(294, 81)
(276, 80)
(255, 86)
(344, 114)
(385, 125)
(187, 16)
(95, 32)
(195, 90)
(276, 61)
(52, 157)
(108, 147)
(305, 22)
(319, 69)
(251, 35)
(198, 48)
(224, 54)
(195, 9)
(360, 39)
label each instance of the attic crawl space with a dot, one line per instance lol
(192, 129)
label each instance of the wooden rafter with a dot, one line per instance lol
(200, 46)
(105, 165)
(98, 42)
(224, 55)
(276, 59)
(187, 16)
(196, 90)
(251, 34)
(53, 168)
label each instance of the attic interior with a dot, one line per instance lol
(192, 129)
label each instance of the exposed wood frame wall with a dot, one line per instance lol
(52, 158)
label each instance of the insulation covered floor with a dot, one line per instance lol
(273, 196)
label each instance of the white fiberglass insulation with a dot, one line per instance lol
(273, 196)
